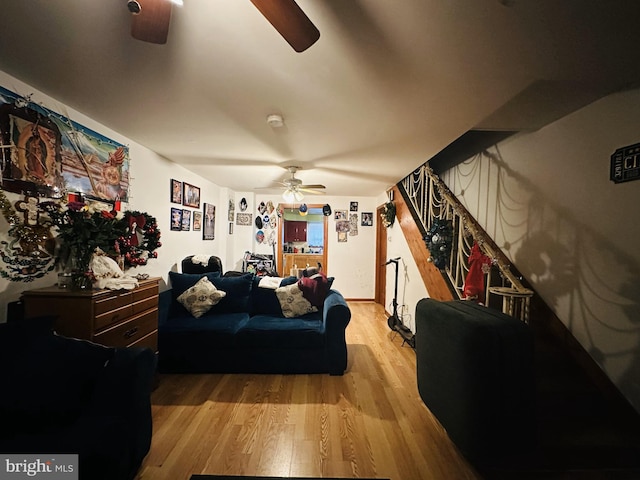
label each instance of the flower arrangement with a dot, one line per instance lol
(81, 230)
(388, 214)
(134, 236)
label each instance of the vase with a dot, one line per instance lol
(77, 271)
(81, 281)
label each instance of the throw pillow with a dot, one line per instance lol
(292, 302)
(180, 282)
(315, 289)
(238, 293)
(201, 297)
(264, 300)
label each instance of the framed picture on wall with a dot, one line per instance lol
(186, 220)
(367, 219)
(209, 232)
(176, 191)
(190, 195)
(176, 218)
(197, 220)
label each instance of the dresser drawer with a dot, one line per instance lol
(112, 302)
(145, 291)
(129, 332)
(144, 304)
(148, 341)
(113, 317)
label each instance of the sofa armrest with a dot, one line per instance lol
(336, 316)
(124, 392)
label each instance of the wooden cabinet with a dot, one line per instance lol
(295, 231)
(301, 260)
(117, 318)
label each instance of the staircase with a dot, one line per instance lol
(586, 428)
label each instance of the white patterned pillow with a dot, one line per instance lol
(292, 302)
(201, 297)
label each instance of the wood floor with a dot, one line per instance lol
(370, 422)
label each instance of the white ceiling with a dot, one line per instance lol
(387, 86)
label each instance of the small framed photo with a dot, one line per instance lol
(176, 218)
(190, 195)
(176, 191)
(353, 206)
(186, 220)
(340, 215)
(367, 219)
(197, 220)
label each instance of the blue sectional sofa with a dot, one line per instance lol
(247, 331)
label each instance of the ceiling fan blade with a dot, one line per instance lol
(152, 23)
(290, 21)
(308, 190)
(311, 186)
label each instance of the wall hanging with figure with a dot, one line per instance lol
(48, 154)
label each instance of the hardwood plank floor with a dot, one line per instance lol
(370, 422)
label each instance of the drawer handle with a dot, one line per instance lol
(130, 333)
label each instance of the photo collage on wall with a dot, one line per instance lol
(347, 221)
(185, 219)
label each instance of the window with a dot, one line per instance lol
(315, 234)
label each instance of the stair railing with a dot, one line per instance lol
(431, 199)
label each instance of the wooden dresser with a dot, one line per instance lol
(117, 318)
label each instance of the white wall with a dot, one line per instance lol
(546, 199)
(411, 287)
(351, 263)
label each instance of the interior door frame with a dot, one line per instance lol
(280, 253)
(381, 258)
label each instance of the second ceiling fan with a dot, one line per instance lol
(151, 18)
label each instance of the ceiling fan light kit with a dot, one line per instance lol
(292, 195)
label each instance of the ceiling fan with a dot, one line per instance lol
(151, 18)
(293, 187)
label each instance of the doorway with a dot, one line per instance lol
(302, 239)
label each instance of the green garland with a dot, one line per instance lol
(388, 214)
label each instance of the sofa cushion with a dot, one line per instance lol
(207, 332)
(292, 301)
(264, 300)
(238, 293)
(199, 299)
(264, 332)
